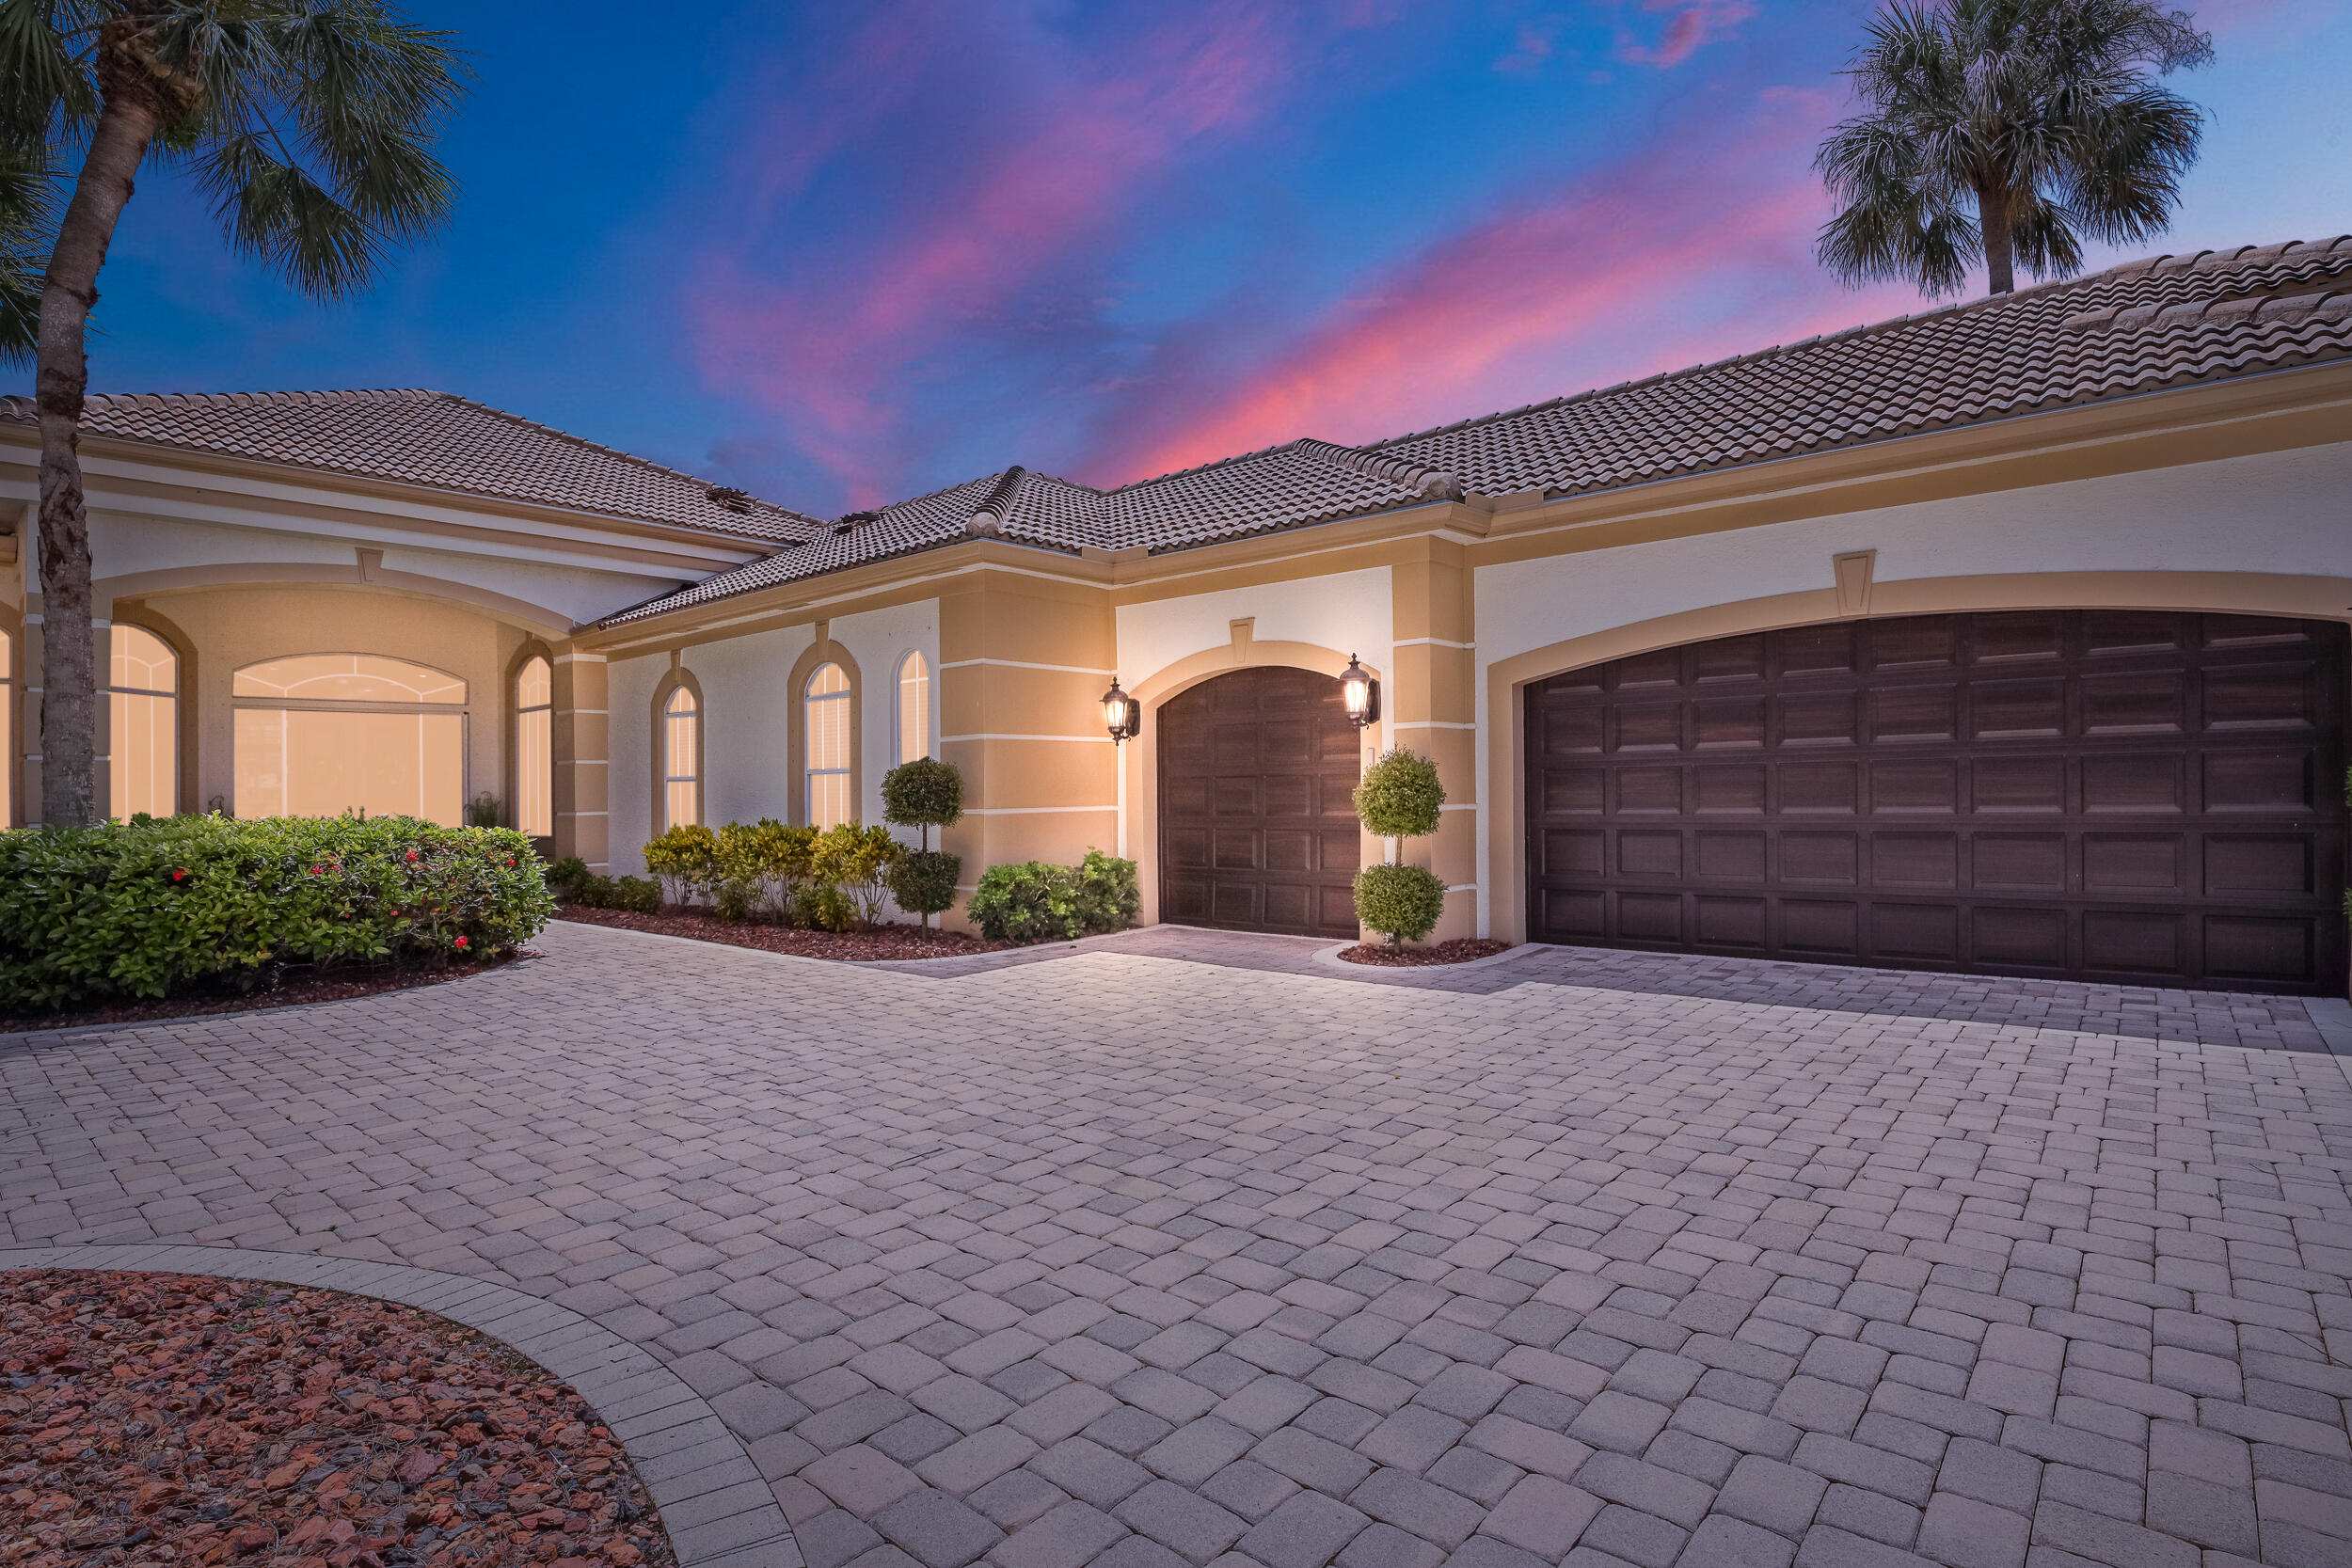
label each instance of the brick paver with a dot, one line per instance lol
(1145, 1261)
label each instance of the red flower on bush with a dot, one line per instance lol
(179, 876)
(412, 854)
(463, 942)
(318, 871)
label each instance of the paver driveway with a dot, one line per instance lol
(1141, 1261)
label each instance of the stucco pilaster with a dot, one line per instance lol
(1430, 707)
(581, 739)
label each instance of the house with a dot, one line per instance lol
(2007, 636)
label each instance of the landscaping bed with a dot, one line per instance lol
(882, 943)
(1461, 950)
(291, 991)
(151, 1418)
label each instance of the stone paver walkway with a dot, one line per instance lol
(1145, 1262)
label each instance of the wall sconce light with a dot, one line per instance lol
(1122, 714)
(1360, 692)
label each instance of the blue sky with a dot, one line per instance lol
(840, 254)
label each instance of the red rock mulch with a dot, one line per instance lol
(1461, 950)
(290, 991)
(150, 1418)
(882, 942)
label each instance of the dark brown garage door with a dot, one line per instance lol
(1256, 829)
(2145, 797)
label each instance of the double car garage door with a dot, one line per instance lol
(2120, 796)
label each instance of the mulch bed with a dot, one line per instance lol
(155, 1419)
(882, 942)
(292, 990)
(1461, 950)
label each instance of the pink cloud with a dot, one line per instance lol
(832, 354)
(1687, 252)
(1695, 24)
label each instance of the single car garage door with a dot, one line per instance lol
(1257, 831)
(2120, 796)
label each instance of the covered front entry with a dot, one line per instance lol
(1257, 831)
(2139, 796)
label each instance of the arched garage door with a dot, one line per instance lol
(2118, 796)
(1257, 831)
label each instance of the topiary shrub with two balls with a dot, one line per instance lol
(926, 794)
(1399, 798)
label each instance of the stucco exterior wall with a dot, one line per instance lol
(1347, 611)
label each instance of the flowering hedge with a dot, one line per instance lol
(157, 906)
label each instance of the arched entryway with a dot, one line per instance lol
(1256, 829)
(2124, 795)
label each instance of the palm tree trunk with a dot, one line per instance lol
(69, 703)
(2000, 243)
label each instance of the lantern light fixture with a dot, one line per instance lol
(1122, 714)
(1360, 693)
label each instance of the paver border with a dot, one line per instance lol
(2333, 1017)
(716, 1507)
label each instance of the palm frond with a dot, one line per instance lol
(28, 217)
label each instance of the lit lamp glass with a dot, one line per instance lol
(1122, 714)
(1360, 693)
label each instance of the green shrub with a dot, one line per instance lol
(1399, 901)
(731, 899)
(149, 907)
(483, 811)
(567, 876)
(1109, 896)
(1040, 901)
(770, 858)
(1026, 901)
(822, 906)
(1398, 796)
(632, 892)
(924, 882)
(857, 860)
(925, 793)
(685, 861)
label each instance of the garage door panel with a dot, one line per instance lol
(1257, 830)
(2134, 795)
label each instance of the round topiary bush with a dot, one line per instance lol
(926, 794)
(1398, 796)
(1401, 902)
(923, 883)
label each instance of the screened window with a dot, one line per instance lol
(828, 731)
(143, 715)
(681, 760)
(534, 748)
(322, 735)
(915, 708)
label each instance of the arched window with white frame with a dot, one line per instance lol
(915, 709)
(143, 718)
(826, 718)
(534, 748)
(681, 759)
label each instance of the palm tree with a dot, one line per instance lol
(2008, 132)
(311, 124)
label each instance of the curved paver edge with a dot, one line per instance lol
(718, 1509)
(1329, 957)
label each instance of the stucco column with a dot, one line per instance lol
(1023, 662)
(1429, 706)
(581, 740)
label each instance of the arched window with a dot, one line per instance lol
(915, 708)
(681, 760)
(828, 729)
(319, 735)
(143, 711)
(535, 753)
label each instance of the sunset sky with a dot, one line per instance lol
(843, 253)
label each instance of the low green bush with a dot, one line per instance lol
(1040, 901)
(1399, 901)
(857, 862)
(568, 876)
(632, 893)
(685, 861)
(822, 906)
(761, 867)
(157, 906)
(924, 882)
(1109, 895)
